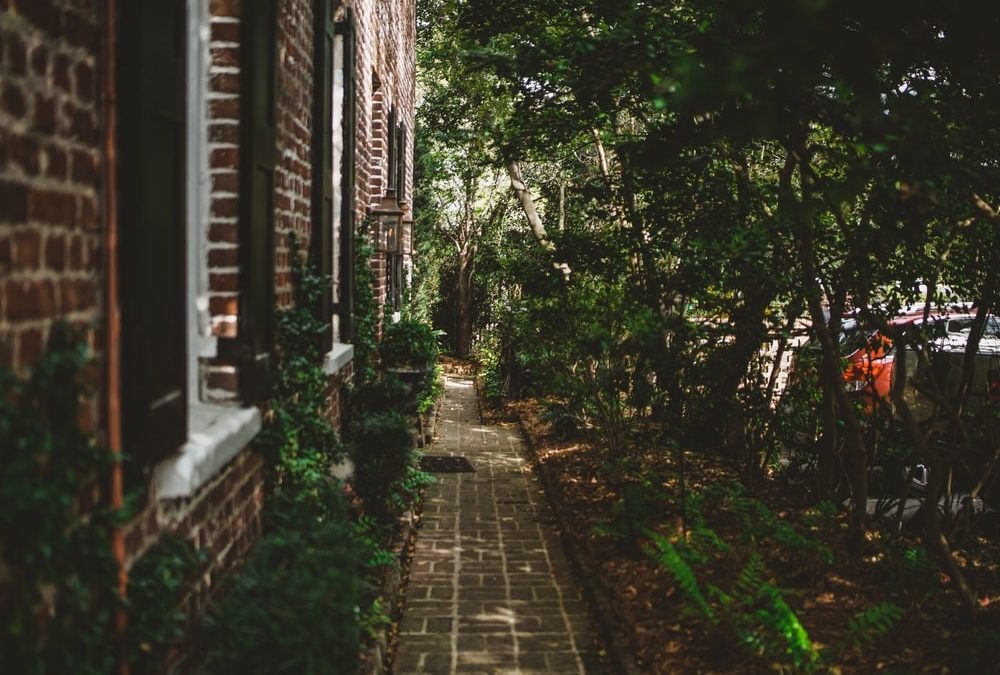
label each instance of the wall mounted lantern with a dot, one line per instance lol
(389, 223)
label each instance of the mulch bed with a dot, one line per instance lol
(651, 613)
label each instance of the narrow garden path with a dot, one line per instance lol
(490, 589)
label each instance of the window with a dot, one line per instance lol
(333, 176)
(253, 348)
(214, 433)
(152, 126)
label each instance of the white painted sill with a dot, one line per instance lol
(338, 358)
(217, 434)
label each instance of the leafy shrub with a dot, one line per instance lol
(155, 618)
(383, 449)
(408, 343)
(378, 395)
(294, 606)
(432, 390)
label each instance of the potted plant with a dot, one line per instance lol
(409, 350)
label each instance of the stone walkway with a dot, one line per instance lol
(490, 589)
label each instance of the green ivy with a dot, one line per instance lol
(365, 307)
(156, 619)
(58, 577)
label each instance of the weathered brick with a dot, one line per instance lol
(60, 72)
(12, 100)
(44, 15)
(224, 109)
(225, 207)
(225, 83)
(13, 202)
(57, 162)
(52, 206)
(81, 32)
(225, 8)
(30, 300)
(16, 55)
(224, 282)
(77, 295)
(224, 158)
(225, 181)
(24, 152)
(224, 133)
(224, 257)
(225, 32)
(84, 74)
(30, 345)
(227, 57)
(223, 233)
(28, 247)
(44, 120)
(40, 60)
(84, 167)
(55, 252)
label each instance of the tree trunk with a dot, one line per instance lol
(463, 333)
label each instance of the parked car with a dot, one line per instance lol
(871, 357)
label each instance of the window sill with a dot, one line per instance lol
(338, 358)
(217, 435)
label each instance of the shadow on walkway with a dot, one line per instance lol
(490, 589)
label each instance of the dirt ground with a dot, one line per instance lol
(665, 636)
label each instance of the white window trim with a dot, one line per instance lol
(216, 433)
(342, 353)
(338, 358)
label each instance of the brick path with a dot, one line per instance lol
(490, 590)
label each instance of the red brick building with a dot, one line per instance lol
(153, 169)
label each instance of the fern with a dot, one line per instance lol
(765, 623)
(667, 556)
(872, 624)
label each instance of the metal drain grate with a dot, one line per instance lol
(446, 464)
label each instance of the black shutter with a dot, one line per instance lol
(152, 227)
(322, 169)
(258, 157)
(345, 307)
(393, 151)
(401, 163)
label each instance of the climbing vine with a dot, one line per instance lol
(365, 308)
(58, 577)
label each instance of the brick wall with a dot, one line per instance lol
(50, 236)
(50, 228)
(294, 171)
(224, 158)
(386, 33)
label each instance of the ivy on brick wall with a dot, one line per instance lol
(365, 307)
(58, 577)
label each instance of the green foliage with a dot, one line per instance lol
(640, 498)
(365, 307)
(371, 536)
(298, 439)
(375, 620)
(53, 558)
(408, 343)
(382, 450)
(379, 395)
(293, 608)
(432, 390)
(667, 556)
(872, 624)
(49, 553)
(156, 618)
